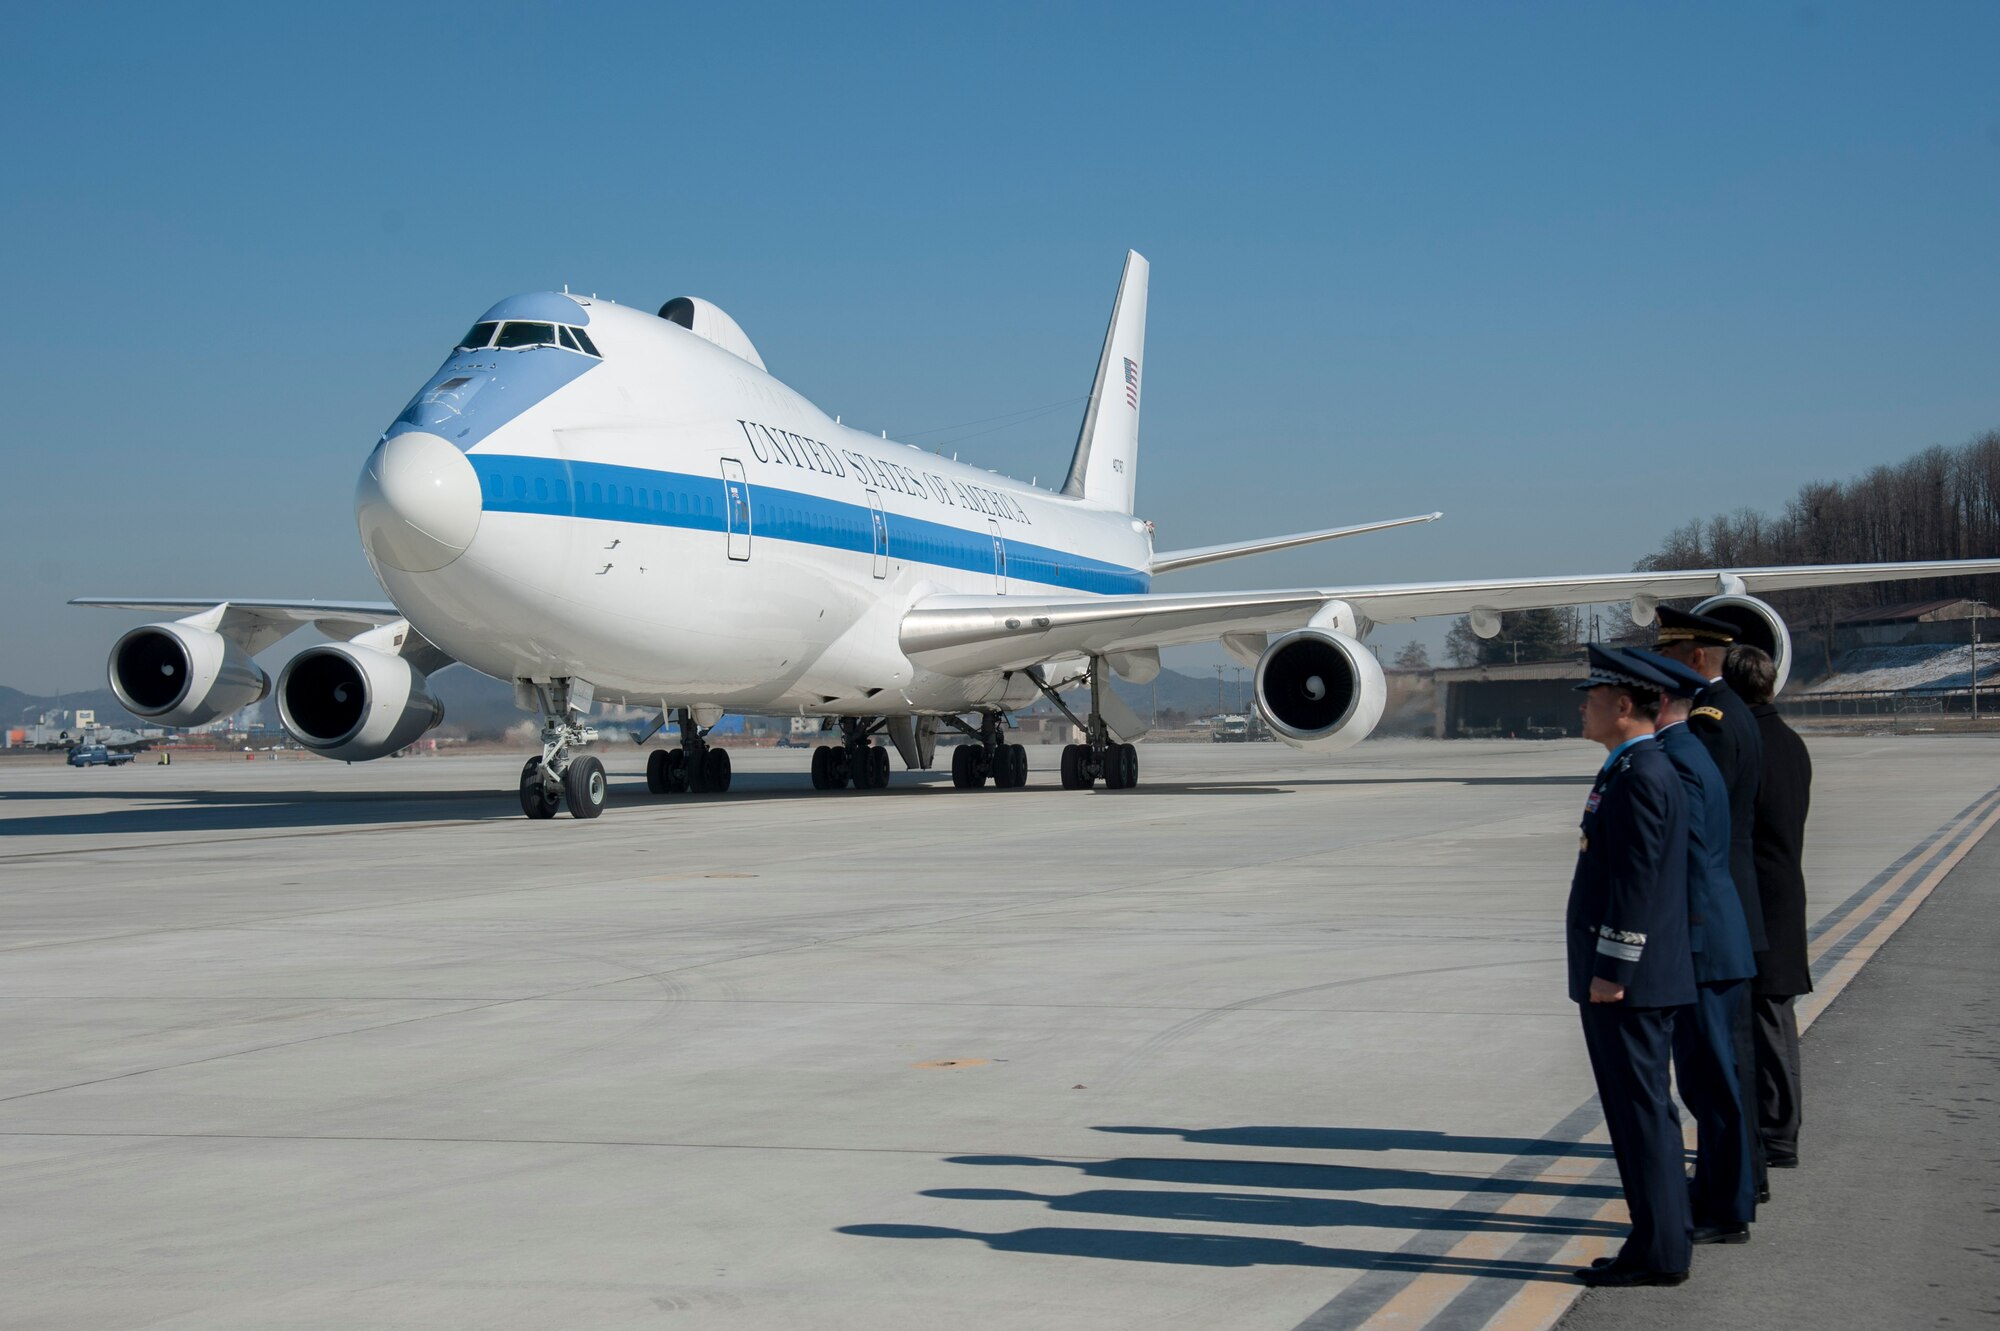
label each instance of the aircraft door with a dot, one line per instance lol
(736, 508)
(879, 526)
(999, 556)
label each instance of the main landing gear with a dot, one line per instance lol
(696, 766)
(557, 778)
(988, 755)
(857, 759)
(1101, 756)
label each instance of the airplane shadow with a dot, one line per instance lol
(181, 810)
(255, 810)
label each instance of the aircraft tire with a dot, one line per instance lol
(1075, 774)
(656, 772)
(1121, 766)
(716, 769)
(878, 769)
(537, 800)
(1012, 765)
(585, 788)
(965, 773)
(821, 773)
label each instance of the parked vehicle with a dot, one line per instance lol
(96, 755)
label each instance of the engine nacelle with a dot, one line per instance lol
(354, 703)
(180, 675)
(1757, 625)
(1320, 690)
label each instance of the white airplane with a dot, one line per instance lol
(605, 505)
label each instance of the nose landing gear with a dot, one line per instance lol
(557, 778)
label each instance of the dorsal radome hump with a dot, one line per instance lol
(705, 320)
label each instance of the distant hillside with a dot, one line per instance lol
(17, 707)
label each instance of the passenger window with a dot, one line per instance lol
(478, 337)
(517, 335)
(541, 488)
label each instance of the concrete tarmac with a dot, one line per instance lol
(1272, 1041)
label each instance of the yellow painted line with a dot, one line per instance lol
(1863, 951)
(1430, 1292)
(1848, 923)
(1541, 1304)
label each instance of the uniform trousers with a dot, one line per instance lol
(1724, 1188)
(1630, 1055)
(1780, 1104)
(1743, 1029)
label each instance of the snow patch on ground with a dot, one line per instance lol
(1914, 668)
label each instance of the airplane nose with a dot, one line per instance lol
(417, 503)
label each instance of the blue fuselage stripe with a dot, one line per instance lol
(603, 491)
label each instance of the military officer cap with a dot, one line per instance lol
(1678, 680)
(1609, 665)
(1687, 626)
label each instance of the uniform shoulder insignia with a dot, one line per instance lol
(1712, 713)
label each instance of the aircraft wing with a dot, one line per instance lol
(968, 634)
(256, 624)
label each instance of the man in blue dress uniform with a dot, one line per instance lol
(1722, 722)
(1629, 963)
(1724, 1190)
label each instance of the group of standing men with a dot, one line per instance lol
(1687, 935)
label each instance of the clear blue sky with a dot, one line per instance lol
(1571, 272)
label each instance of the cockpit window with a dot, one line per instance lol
(516, 334)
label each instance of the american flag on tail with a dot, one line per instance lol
(1131, 384)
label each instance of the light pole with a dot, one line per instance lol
(1239, 687)
(1977, 606)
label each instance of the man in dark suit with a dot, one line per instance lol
(1630, 969)
(1722, 722)
(1724, 1187)
(1783, 972)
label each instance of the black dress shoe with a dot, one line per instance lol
(1625, 1277)
(1721, 1234)
(1782, 1161)
(1763, 1194)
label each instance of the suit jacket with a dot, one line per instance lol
(1717, 933)
(1721, 720)
(1782, 800)
(1628, 908)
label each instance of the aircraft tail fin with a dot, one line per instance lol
(1105, 468)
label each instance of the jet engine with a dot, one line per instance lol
(1757, 625)
(355, 703)
(181, 675)
(1320, 690)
